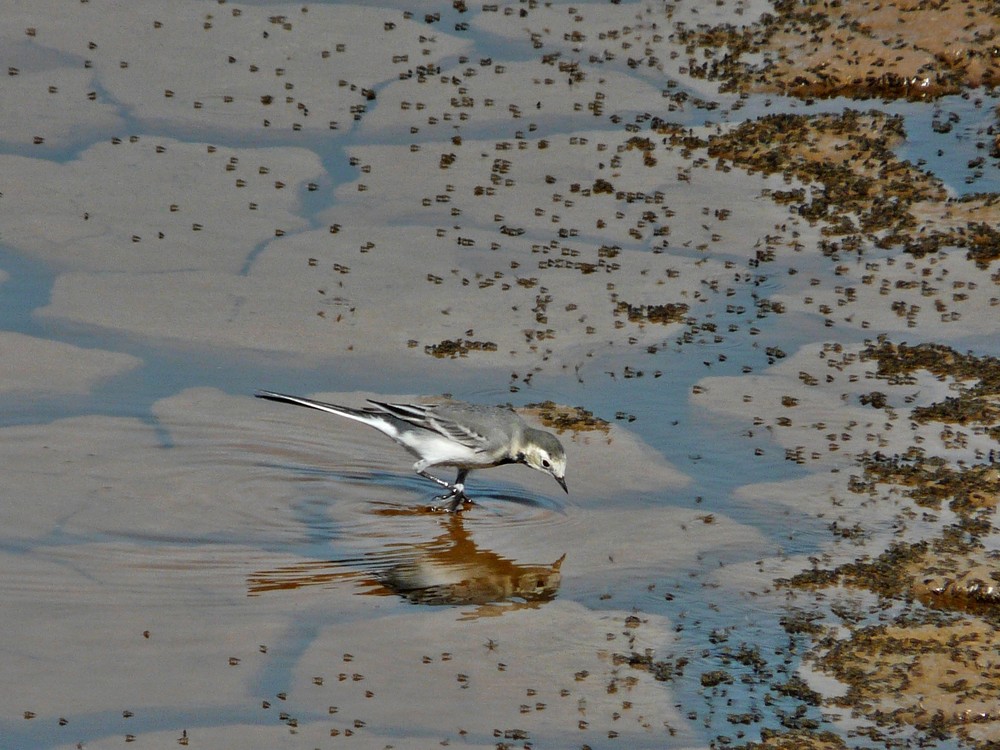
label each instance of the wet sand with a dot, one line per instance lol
(766, 340)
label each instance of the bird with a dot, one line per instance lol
(453, 433)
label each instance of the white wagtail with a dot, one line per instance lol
(453, 433)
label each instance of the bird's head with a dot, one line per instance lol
(544, 452)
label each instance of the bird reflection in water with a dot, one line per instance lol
(449, 569)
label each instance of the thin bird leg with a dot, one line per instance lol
(447, 485)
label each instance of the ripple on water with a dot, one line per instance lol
(265, 502)
(379, 533)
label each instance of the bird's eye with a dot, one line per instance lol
(545, 463)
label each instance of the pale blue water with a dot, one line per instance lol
(719, 457)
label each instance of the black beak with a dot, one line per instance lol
(562, 483)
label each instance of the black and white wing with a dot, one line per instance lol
(463, 423)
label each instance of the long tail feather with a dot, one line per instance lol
(359, 415)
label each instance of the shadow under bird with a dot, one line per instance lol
(453, 433)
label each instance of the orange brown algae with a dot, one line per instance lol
(930, 481)
(847, 161)
(855, 184)
(949, 573)
(965, 222)
(458, 348)
(939, 677)
(935, 669)
(907, 49)
(662, 670)
(771, 739)
(970, 583)
(562, 418)
(976, 404)
(663, 314)
(933, 664)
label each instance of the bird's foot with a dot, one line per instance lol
(456, 497)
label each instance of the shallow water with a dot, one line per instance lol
(186, 564)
